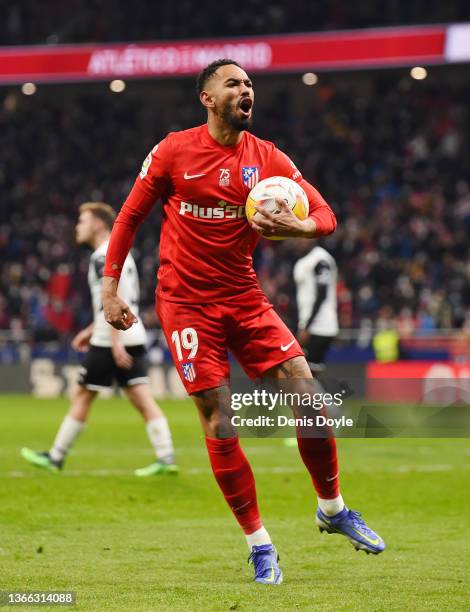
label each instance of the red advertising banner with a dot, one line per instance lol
(426, 382)
(400, 46)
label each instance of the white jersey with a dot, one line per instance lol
(128, 290)
(313, 274)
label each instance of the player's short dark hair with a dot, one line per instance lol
(209, 71)
(100, 210)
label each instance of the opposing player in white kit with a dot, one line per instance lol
(315, 276)
(111, 356)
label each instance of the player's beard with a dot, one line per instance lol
(229, 115)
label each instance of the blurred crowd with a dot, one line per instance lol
(393, 162)
(390, 156)
(55, 21)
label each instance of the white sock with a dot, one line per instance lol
(66, 436)
(330, 507)
(159, 435)
(258, 538)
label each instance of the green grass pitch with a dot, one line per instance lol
(170, 543)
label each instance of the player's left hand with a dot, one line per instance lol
(283, 223)
(121, 357)
(81, 341)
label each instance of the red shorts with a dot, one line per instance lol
(199, 336)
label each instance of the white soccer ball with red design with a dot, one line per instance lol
(265, 192)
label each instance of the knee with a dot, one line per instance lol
(131, 395)
(80, 393)
(214, 411)
(141, 398)
(81, 400)
(214, 426)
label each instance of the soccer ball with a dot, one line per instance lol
(264, 194)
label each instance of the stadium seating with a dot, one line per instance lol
(389, 154)
(118, 20)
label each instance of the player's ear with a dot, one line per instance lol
(206, 99)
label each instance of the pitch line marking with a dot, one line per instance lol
(401, 469)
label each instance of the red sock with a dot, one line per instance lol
(236, 481)
(321, 460)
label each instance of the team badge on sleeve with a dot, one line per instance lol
(147, 162)
(250, 176)
(189, 372)
(295, 175)
(145, 166)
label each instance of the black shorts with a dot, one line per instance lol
(98, 370)
(317, 348)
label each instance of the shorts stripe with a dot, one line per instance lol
(138, 381)
(97, 387)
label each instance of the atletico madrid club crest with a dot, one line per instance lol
(189, 372)
(250, 176)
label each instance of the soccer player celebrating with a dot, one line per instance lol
(209, 299)
(111, 355)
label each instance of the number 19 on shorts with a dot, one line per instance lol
(186, 339)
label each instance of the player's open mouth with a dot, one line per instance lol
(245, 106)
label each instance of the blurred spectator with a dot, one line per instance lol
(391, 157)
(386, 340)
(52, 22)
(461, 344)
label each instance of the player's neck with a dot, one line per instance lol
(222, 133)
(98, 240)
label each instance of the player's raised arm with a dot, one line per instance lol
(148, 187)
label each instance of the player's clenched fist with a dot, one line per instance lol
(116, 312)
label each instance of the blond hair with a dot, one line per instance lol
(100, 210)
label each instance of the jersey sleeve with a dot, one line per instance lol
(98, 264)
(319, 210)
(152, 182)
(301, 268)
(323, 272)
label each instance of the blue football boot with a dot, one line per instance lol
(350, 524)
(265, 561)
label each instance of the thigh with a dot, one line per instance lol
(81, 400)
(262, 340)
(138, 373)
(304, 395)
(196, 337)
(97, 369)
